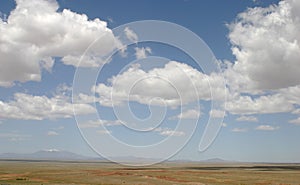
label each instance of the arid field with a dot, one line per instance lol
(51, 172)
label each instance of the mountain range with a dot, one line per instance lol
(54, 154)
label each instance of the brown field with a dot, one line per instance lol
(84, 173)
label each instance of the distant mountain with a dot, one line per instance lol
(212, 160)
(134, 159)
(54, 154)
(51, 154)
(216, 160)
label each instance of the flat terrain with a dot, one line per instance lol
(42, 172)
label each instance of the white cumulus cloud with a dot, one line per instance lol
(247, 118)
(142, 52)
(295, 121)
(173, 84)
(217, 113)
(130, 34)
(247, 105)
(239, 130)
(266, 46)
(188, 114)
(35, 32)
(266, 128)
(52, 133)
(29, 107)
(169, 132)
(98, 123)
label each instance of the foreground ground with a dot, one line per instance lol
(38, 172)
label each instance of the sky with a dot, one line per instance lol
(85, 77)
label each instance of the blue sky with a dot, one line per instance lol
(255, 42)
